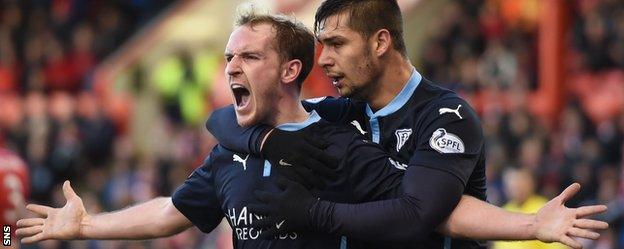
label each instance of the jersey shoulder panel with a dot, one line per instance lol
(448, 134)
(451, 112)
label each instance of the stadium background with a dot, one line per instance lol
(113, 94)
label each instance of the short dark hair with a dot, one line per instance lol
(293, 39)
(366, 17)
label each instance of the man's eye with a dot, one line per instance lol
(335, 44)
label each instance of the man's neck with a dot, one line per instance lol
(289, 110)
(392, 80)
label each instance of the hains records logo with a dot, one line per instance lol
(242, 220)
(445, 142)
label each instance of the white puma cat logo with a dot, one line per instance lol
(357, 126)
(449, 110)
(239, 159)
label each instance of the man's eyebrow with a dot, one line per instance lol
(247, 53)
(330, 39)
(244, 53)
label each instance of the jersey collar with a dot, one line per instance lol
(399, 100)
(313, 117)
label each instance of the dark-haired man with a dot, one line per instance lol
(432, 131)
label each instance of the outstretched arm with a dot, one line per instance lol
(152, 219)
(394, 220)
(554, 222)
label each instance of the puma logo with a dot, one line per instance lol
(357, 126)
(449, 110)
(239, 159)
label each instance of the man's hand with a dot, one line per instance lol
(285, 211)
(56, 223)
(303, 153)
(557, 223)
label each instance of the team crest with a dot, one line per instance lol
(445, 142)
(402, 135)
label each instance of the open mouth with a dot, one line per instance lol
(241, 95)
(336, 80)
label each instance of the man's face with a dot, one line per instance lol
(346, 58)
(252, 71)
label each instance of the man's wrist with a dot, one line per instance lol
(531, 227)
(86, 227)
(319, 214)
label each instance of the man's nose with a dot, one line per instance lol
(324, 59)
(232, 67)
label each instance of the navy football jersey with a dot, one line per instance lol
(223, 186)
(423, 126)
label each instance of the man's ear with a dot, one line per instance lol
(381, 42)
(291, 70)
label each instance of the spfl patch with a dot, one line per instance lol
(445, 142)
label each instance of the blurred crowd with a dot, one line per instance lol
(484, 49)
(487, 51)
(54, 45)
(52, 117)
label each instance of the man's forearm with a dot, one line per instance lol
(152, 219)
(409, 218)
(476, 219)
(223, 125)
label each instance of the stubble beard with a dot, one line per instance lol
(366, 90)
(269, 110)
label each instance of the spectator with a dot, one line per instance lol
(520, 190)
